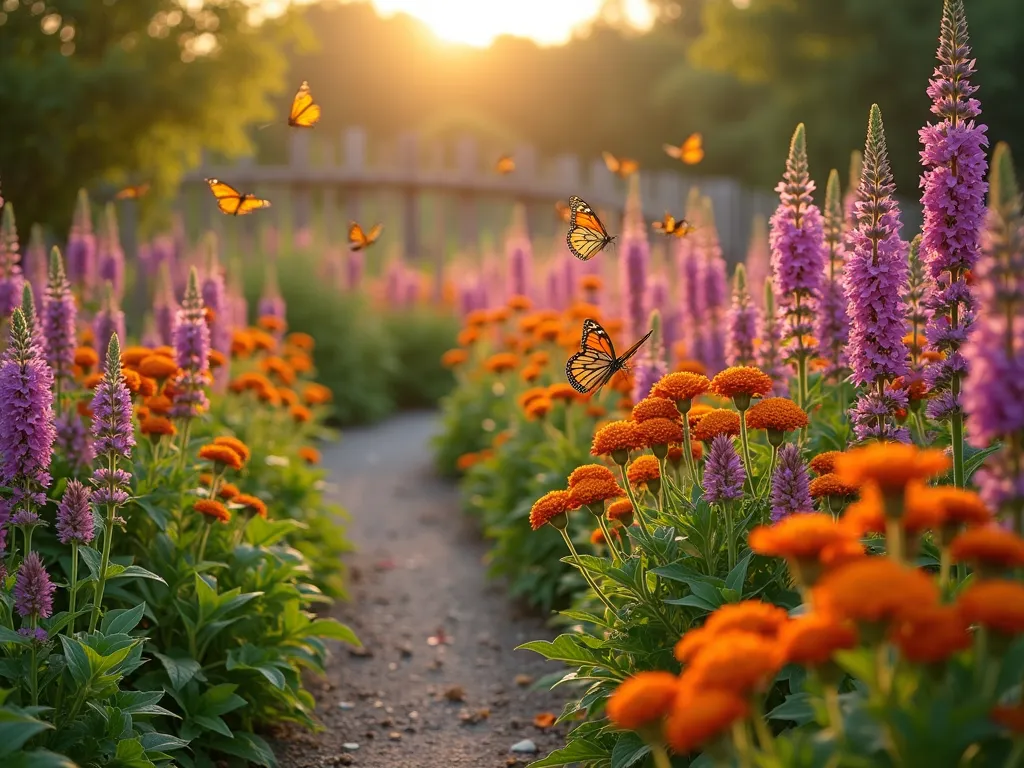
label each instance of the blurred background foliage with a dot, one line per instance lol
(125, 105)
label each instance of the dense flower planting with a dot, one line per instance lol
(163, 537)
(813, 557)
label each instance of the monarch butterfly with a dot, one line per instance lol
(133, 192)
(587, 236)
(358, 240)
(505, 165)
(595, 364)
(563, 211)
(690, 151)
(305, 112)
(620, 166)
(670, 225)
(232, 202)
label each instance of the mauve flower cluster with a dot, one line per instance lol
(271, 303)
(916, 298)
(711, 340)
(691, 294)
(11, 279)
(34, 261)
(110, 267)
(60, 316)
(192, 353)
(759, 256)
(650, 365)
(215, 300)
(112, 431)
(81, 247)
(109, 322)
(26, 420)
(769, 351)
(833, 327)
(798, 252)
(75, 520)
(872, 414)
(73, 440)
(724, 475)
(35, 329)
(519, 255)
(791, 490)
(33, 590)
(741, 322)
(635, 258)
(875, 276)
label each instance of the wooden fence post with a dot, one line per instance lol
(407, 163)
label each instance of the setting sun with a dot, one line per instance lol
(474, 23)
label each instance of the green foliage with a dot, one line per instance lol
(419, 337)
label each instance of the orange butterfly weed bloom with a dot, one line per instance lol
(221, 455)
(868, 514)
(675, 452)
(501, 362)
(824, 463)
(478, 317)
(519, 303)
(300, 414)
(801, 539)
(540, 358)
(690, 366)
(272, 323)
(132, 356)
(874, 589)
(216, 359)
(242, 343)
(932, 634)
(251, 505)
(538, 408)
(82, 406)
(316, 394)
(234, 444)
(276, 366)
(467, 461)
(597, 537)
(1010, 717)
(549, 330)
(550, 509)
(812, 639)
(741, 383)
(158, 367)
(621, 511)
(698, 412)
(735, 662)
(156, 427)
(227, 491)
(269, 396)
(147, 386)
(288, 396)
(498, 315)
(531, 394)
(529, 323)
(890, 466)
(643, 471)
(309, 454)
(530, 374)
(718, 421)
(141, 413)
(262, 340)
(776, 414)
(468, 337)
(699, 717)
(86, 358)
(591, 283)
(301, 341)
(593, 493)
(616, 439)
(655, 408)
(625, 403)
(753, 616)
(658, 433)
(829, 485)
(212, 510)
(584, 472)
(596, 411)
(642, 699)
(989, 549)
(132, 380)
(92, 380)
(681, 387)
(564, 392)
(692, 643)
(997, 604)
(960, 507)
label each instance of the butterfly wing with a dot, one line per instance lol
(587, 236)
(628, 167)
(621, 362)
(373, 234)
(305, 112)
(673, 151)
(563, 211)
(133, 192)
(357, 239)
(692, 151)
(683, 228)
(505, 165)
(611, 161)
(250, 203)
(228, 198)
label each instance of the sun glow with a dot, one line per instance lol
(479, 22)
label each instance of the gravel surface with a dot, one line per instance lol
(438, 682)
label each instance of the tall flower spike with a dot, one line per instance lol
(26, 421)
(711, 337)
(636, 255)
(769, 354)
(33, 590)
(759, 256)
(742, 322)
(916, 297)
(34, 263)
(165, 306)
(112, 431)
(791, 490)
(28, 307)
(75, 520)
(111, 255)
(192, 352)
(954, 213)
(650, 368)
(724, 475)
(109, 322)
(271, 302)
(994, 390)
(850, 198)
(798, 257)
(519, 254)
(60, 316)
(874, 281)
(81, 248)
(215, 299)
(833, 329)
(11, 278)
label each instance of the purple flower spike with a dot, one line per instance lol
(741, 322)
(81, 248)
(75, 521)
(769, 353)
(112, 431)
(271, 303)
(74, 442)
(790, 485)
(11, 279)
(60, 316)
(109, 322)
(759, 256)
(724, 475)
(192, 353)
(650, 366)
(33, 590)
(165, 306)
(110, 267)
(833, 328)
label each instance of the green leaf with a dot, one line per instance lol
(332, 629)
(77, 660)
(16, 728)
(692, 601)
(738, 575)
(8, 635)
(577, 751)
(180, 669)
(247, 746)
(92, 560)
(213, 723)
(629, 750)
(131, 754)
(797, 707)
(206, 597)
(565, 648)
(220, 699)
(162, 742)
(134, 572)
(39, 758)
(122, 621)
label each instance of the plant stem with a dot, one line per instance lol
(34, 670)
(185, 429)
(108, 537)
(632, 498)
(764, 736)
(586, 573)
(745, 442)
(835, 712)
(74, 589)
(691, 465)
(956, 436)
(660, 756)
(944, 568)
(730, 534)
(894, 538)
(616, 555)
(202, 542)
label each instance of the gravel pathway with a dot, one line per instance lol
(438, 683)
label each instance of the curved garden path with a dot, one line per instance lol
(440, 684)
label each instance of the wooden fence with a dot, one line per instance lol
(438, 196)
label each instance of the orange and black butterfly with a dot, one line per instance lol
(595, 364)
(670, 225)
(563, 211)
(620, 166)
(505, 165)
(587, 236)
(133, 192)
(305, 112)
(359, 240)
(690, 151)
(232, 202)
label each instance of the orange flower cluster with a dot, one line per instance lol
(212, 510)
(591, 485)
(718, 421)
(550, 509)
(741, 380)
(643, 471)
(776, 414)
(681, 387)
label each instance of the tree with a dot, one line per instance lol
(128, 91)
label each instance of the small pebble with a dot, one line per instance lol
(350, 746)
(524, 747)
(395, 736)
(346, 705)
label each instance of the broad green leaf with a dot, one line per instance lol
(212, 723)
(247, 746)
(220, 699)
(8, 635)
(162, 742)
(92, 560)
(131, 754)
(122, 621)
(206, 597)
(134, 572)
(16, 728)
(77, 660)
(180, 669)
(332, 629)
(797, 707)
(629, 750)
(577, 751)
(39, 758)
(738, 575)
(565, 648)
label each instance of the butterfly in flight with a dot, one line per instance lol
(670, 225)
(690, 151)
(305, 112)
(562, 211)
(505, 165)
(595, 364)
(620, 166)
(359, 240)
(587, 236)
(232, 202)
(133, 192)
